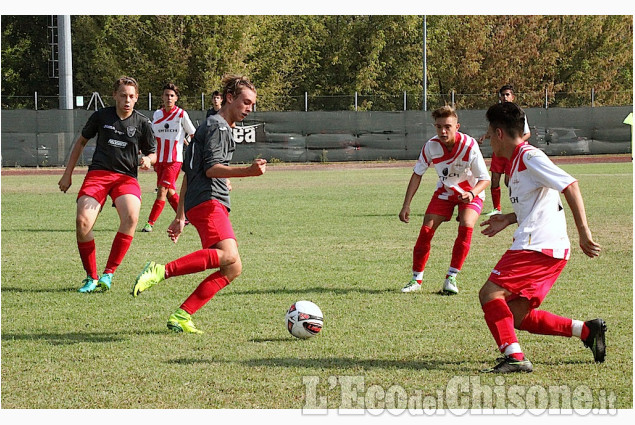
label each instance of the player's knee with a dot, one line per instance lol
(233, 270)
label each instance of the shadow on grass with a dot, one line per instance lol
(335, 363)
(350, 363)
(319, 290)
(15, 289)
(70, 338)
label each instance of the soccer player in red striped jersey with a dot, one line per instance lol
(121, 134)
(500, 166)
(540, 249)
(172, 128)
(205, 200)
(463, 177)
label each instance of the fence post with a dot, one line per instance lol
(306, 102)
(355, 101)
(592, 97)
(35, 99)
(546, 98)
(149, 101)
(453, 98)
(202, 101)
(404, 101)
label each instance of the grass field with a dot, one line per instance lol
(327, 235)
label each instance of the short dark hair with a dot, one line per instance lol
(216, 93)
(507, 116)
(506, 87)
(173, 87)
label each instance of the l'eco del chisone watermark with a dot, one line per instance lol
(351, 395)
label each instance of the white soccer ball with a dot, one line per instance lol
(304, 319)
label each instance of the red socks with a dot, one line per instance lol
(461, 247)
(195, 262)
(496, 197)
(174, 201)
(421, 251)
(544, 323)
(500, 321)
(204, 292)
(157, 208)
(120, 246)
(89, 259)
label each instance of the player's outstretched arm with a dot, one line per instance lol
(220, 171)
(176, 227)
(574, 199)
(497, 222)
(67, 178)
(413, 185)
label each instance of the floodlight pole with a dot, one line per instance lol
(65, 62)
(425, 63)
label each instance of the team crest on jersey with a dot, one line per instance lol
(131, 130)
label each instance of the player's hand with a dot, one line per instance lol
(494, 224)
(229, 184)
(589, 247)
(258, 167)
(146, 163)
(175, 229)
(466, 197)
(404, 214)
(65, 183)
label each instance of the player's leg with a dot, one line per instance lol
(421, 250)
(88, 209)
(495, 190)
(159, 202)
(500, 321)
(230, 269)
(542, 322)
(128, 207)
(468, 216)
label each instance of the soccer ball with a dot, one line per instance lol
(304, 319)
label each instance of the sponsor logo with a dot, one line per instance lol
(131, 130)
(496, 272)
(117, 143)
(245, 134)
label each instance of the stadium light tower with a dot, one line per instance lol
(65, 62)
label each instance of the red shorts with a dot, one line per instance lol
(499, 164)
(445, 208)
(527, 274)
(167, 173)
(99, 184)
(211, 220)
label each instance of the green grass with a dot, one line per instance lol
(330, 236)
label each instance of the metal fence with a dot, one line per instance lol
(400, 101)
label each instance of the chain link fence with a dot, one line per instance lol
(400, 101)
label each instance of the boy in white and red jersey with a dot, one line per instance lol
(500, 165)
(524, 275)
(463, 176)
(172, 126)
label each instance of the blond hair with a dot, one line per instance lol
(235, 84)
(444, 112)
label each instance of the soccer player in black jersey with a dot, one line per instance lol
(121, 134)
(205, 200)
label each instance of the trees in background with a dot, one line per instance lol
(332, 55)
